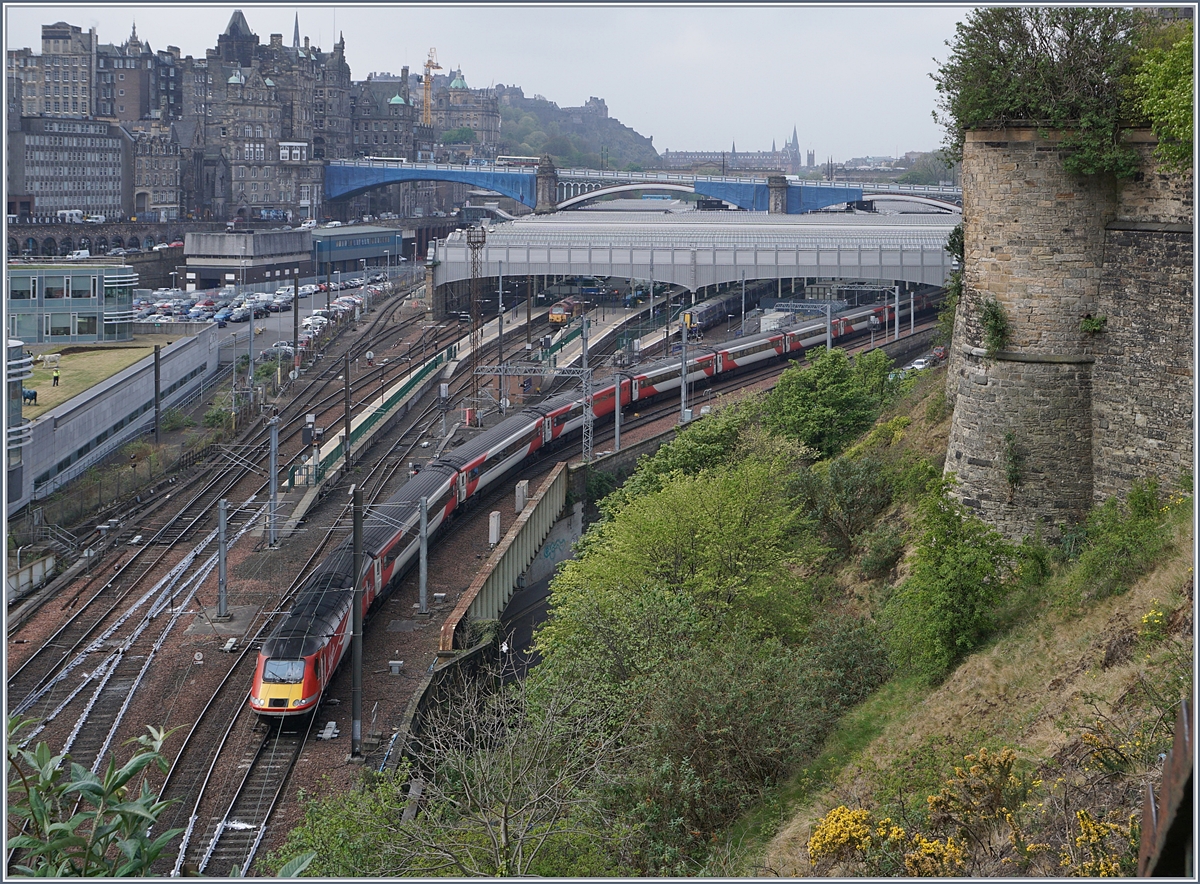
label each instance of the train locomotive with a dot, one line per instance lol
(299, 657)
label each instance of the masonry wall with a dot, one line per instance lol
(1144, 374)
(1061, 418)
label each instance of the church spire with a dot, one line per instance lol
(795, 137)
(296, 33)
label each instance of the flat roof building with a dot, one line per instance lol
(70, 303)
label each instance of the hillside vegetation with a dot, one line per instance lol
(781, 639)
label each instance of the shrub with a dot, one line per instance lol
(844, 496)
(174, 419)
(881, 550)
(1121, 540)
(824, 406)
(1059, 67)
(995, 327)
(67, 821)
(946, 607)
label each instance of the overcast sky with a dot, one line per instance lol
(853, 80)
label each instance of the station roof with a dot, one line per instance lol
(719, 228)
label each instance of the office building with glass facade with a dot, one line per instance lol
(70, 303)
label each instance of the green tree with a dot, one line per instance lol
(707, 443)
(1165, 84)
(461, 135)
(946, 607)
(824, 406)
(1058, 67)
(65, 821)
(844, 496)
(507, 786)
(928, 168)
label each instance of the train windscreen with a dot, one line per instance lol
(283, 671)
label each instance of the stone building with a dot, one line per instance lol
(457, 106)
(133, 82)
(717, 162)
(270, 114)
(383, 121)
(70, 164)
(62, 77)
(1092, 388)
(157, 173)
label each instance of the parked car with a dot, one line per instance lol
(178, 244)
(922, 363)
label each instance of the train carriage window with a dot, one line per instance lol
(665, 376)
(283, 671)
(756, 348)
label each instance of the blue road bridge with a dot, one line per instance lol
(694, 250)
(566, 188)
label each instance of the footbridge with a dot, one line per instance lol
(546, 189)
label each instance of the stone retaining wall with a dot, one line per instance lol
(1061, 417)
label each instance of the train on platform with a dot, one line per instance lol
(300, 656)
(565, 310)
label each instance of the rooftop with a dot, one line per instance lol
(83, 366)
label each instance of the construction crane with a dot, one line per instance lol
(431, 65)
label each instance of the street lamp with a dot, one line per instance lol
(387, 260)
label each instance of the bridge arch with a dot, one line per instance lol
(573, 201)
(913, 198)
(349, 178)
(65, 246)
(49, 247)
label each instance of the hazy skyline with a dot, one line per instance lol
(853, 80)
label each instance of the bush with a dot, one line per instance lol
(731, 717)
(946, 608)
(1063, 68)
(881, 550)
(824, 406)
(843, 497)
(1121, 540)
(66, 821)
(174, 419)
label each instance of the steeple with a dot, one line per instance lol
(296, 33)
(795, 137)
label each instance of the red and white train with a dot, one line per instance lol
(300, 656)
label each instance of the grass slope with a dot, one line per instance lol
(1042, 687)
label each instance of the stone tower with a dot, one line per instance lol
(546, 194)
(1034, 423)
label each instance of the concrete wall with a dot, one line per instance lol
(116, 407)
(1061, 418)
